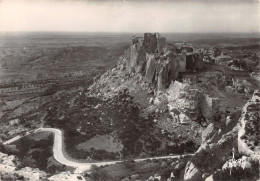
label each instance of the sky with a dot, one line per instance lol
(130, 15)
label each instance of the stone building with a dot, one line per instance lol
(159, 64)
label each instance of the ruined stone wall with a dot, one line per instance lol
(149, 57)
(209, 107)
(182, 61)
(194, 61)
(140, 60)
(150, 68)
(162, 79)
(173, 68)
(190, 62)
(150, 42)
(161, 44)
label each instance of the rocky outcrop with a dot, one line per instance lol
(150, 42)
(161, 43)
(150, 69)
(154, 43)
(182, 61)
(209, 132)
(162, 79)
(244, 168)
(219, 141)
(209, 107)
(183, 98)
(210, 156)
(192, 172)
(217, 144)
(159, 64)
(9, 170)
(136, 55)
(249, 131)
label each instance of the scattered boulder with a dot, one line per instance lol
(210, 178)
(151, 100)
(205, 175)
(97, 106)
(209, 132)
(192, 173)
(180, 166)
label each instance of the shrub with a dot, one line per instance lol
(129, 164)
(99, 175)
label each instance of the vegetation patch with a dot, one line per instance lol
(102, 142)
(131, 170)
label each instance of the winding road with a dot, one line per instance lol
(61, 157)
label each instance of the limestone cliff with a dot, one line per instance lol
(249, 129)
(156, 61)
(239, 133)
(183, 98)
(212, 154)
(209, 107)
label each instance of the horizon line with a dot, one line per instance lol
(131, 32)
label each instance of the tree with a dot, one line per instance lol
(97, 174)
(129, 164)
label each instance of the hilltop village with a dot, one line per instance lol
(160, 99)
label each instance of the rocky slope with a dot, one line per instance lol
(239, 136)
(10, 170)
(153, 66)
(249, 132)
(166, 80)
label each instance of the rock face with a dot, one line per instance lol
(161, 43)
(192, 173)
(218, 141)
(136, 55)
(249, 132)
(182, 61)
(210, 156)
(150, 69)
(150, 42)
(183, 98)
(10, 171)
(157, 62)
(209, 107)
(209, 132)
